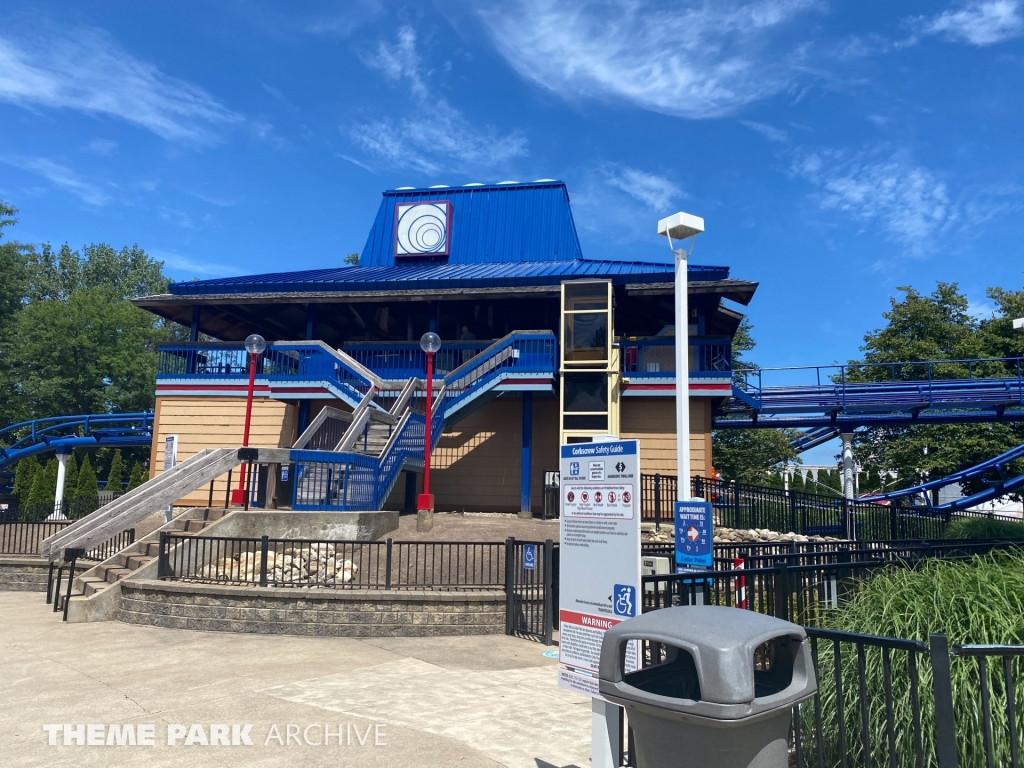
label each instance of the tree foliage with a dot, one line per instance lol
(24, 475)
(115, 473)
(88, 491)
(70, 341)
(71, 479)
(137, 476)
(938, 326)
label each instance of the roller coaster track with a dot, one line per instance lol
(57, 433)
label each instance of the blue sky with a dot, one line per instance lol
(836, 151)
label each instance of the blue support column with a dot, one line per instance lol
(310, 319)
(525, 507)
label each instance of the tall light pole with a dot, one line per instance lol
(254, 345)
(681, 226)
(430, 342)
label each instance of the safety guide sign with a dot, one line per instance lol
(599, 570)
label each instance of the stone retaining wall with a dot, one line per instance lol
(321, 612)
(23, 574)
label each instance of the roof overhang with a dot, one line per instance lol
(740, 291)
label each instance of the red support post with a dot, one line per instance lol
(426, 500)
(238, 495)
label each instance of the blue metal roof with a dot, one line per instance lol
(494, 223)
(432, 276)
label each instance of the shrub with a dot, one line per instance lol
(114, 476)
(983, 528)
(23, 477)
(974, 601)
(137, 477)
(88, 493)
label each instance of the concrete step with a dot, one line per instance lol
(114, 573)
(91, 585)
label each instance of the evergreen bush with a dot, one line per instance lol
(88, 492)
(115, 474)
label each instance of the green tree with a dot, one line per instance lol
(352, 258)
(71, 480)
(88, 494)
(13, 268)
(137, 476)
(937, 326)
(796, 482)
(115, 473)
(752, 455)
(24, 474)
(76, 344)
(44, 485)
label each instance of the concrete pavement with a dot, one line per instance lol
(460, 701)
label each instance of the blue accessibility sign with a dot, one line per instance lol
(624, 600)
(693, 534)
(530, 557)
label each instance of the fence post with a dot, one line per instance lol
(849, 522)
(894, 523)
(387, 564)
(792, 510)
(49, 583)
(942, 687)
(162, 569)
(510, 549)
(549, 618)
(657, 502)
(227, 491)
(264, 551)
(71, 580)
(780, 576)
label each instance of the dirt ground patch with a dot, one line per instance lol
(489, 526)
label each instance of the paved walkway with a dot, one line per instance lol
(484, 701)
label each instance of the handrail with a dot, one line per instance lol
(412, 385)
(352, 434)
(327, 412)
(474, 361)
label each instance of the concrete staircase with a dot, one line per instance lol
(95, 593)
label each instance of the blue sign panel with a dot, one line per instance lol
(530, 557)
(624, 600)
(693, 534)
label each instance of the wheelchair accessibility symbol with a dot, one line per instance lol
(530, 557)
(624, 600)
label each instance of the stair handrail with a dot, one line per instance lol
(452, 376)
(327, 412)
(132, 500)
(355, 430)
(412, 385)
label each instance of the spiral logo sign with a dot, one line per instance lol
(421, 229)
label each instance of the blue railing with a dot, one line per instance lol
(279, 362)
(910, 385)
(403, 360)
(330, 480)
(527, 353)
(710, 356)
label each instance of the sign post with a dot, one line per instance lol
(599, 571)
(170, 462)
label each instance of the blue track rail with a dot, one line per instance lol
(844, 397)
(113, 430)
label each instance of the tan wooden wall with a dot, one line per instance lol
(216, 422)
(652, 421)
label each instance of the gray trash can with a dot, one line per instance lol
(709, 702)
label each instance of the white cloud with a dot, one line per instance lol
(703, 61)
(770, 132)
(191, 265)
(87, 71)
(656, 192)
(102, 147)
(438, 137)
(60, 176)
(982, 309)
(978, 23)
(175, 216)
(906, 202)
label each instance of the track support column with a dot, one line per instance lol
(526, 460)
(848, 466)
(58, 499)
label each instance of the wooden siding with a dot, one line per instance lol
(652, 421)
(216, 422)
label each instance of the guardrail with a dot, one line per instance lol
(388, 564)
(656, 357)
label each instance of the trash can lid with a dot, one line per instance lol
(722, 642)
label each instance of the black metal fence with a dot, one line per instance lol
(27, 538)
(339, 564)
(741, 505)
(531, 580)
(73, 565)
(67, 509)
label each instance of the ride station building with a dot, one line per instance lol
(540, 345)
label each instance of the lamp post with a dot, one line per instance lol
(430, 342)
(254, 345)
(682, 226)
